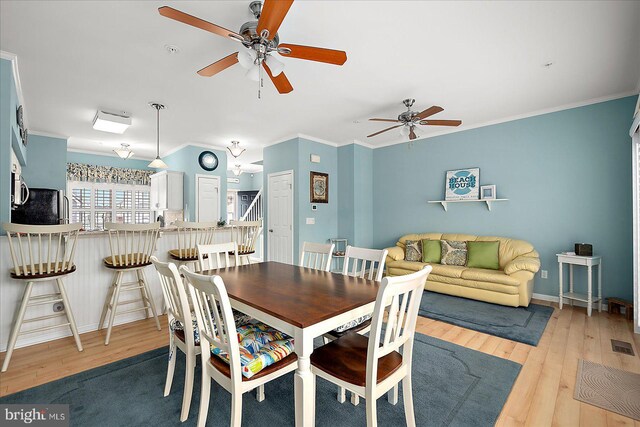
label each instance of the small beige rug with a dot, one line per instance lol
(608, 388)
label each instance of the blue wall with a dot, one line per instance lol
(567, 175)
(47, 163)
(247, 181)
(355, 195)
(186, 160)
(99, 160)
(9, 137)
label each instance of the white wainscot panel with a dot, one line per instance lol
(87, 289)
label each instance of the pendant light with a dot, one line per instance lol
(124, 152)
(235, 149)
(157, 163)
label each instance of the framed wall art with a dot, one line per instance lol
(488, 192)
(462, 184)
(319, 187)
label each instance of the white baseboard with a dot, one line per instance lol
(553, 298)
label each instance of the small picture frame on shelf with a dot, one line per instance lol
(488, 192)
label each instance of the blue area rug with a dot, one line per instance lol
(452, 386)
(522, 324)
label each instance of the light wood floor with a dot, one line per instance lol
(541, 396)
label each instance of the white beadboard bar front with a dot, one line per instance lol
(87, 288)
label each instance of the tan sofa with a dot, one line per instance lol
(511, 285)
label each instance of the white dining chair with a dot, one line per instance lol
(181, 331)
(366, 264)
(131, 247)
(316, 255)
(218, 255)
(217, 327)
(41, 253)
(372, 366)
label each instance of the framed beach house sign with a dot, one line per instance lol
(463, 184)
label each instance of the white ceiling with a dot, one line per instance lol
(480, 61)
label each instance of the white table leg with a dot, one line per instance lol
(571, 281)
(600, 287)
(589, 289)
(304, 381)
(560, 282)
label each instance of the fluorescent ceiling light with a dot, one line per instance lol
(110, 122)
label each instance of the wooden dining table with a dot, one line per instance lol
(303, 303)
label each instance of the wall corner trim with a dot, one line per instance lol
(16, 77)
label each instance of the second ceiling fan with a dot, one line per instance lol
(260, 38)
(409, 119)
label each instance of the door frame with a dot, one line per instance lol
(197, 188)
(293, 218)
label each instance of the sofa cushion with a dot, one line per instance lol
(448, 270)
(468, 283)
(454, 252)
(404, 267)
(484, 275)
(483, 255)
(431, 251)
(413, 250)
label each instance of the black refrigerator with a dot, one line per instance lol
(44, 206)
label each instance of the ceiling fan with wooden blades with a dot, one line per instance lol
(409, 119)
(260, 40)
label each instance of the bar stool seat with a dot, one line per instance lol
(189, 254)
(124, 237)
(189, 236)
(41, 253)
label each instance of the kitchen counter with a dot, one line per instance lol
(87, 287)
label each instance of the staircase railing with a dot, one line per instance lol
(254, 211)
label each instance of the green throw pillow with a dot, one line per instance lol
(431, 251)
(483, 255)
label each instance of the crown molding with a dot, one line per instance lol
(304, 136)
(193, 144)
(48, 134)
(16, 77)
(106, 154)
(515, 117)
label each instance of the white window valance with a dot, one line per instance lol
(94, 173)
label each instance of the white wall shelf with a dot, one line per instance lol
(488, 202)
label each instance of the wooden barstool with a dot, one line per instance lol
(245, 234)
(131, 248)
(41, 253)
(190, 235)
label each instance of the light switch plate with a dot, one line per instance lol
(544, 274)
(311, 221)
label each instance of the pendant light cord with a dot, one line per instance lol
(158, 131)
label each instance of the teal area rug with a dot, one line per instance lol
(452, 386)
(522, 324)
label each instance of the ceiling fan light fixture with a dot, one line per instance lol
(404, 130)
(235, 149)
(275, 66)
(237, 171)
(247, 58)
(253, 73)
(124, 152)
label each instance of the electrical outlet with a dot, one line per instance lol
(58, 307)
(544, 274)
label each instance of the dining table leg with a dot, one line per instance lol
(304, 381)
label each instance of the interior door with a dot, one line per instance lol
(280, 227)
(207, 198)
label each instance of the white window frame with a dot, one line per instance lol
(635, 143)
(71, 185)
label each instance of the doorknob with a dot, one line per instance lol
(271, 230)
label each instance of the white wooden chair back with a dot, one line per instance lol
(192, 234)
(318, 255)
(245, 234)
(217, 255)
(42, 249)
(364, 263)
(132, 244)
(175, 296)
(214, 317)
(404, 294)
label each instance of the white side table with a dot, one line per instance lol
(589, 262)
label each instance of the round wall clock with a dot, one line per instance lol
(19, 117)
(208, 161)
